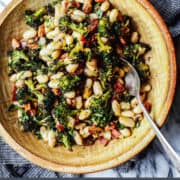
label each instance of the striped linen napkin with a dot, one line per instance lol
(13, 165)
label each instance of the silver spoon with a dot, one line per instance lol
(132, 82)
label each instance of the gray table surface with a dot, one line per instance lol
(152, 162)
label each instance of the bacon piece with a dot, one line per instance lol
(93, 25)
(115, 133)
(119, 88)
(103, 140)
(147, 106)
(14, 93)
(60, 127)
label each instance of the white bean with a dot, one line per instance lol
(15, 43)
(116, 108)
(87, 103)
(134, 102)
(79, 102)
(89, 83)
(59, 12)
(128, 122)
(29, 34)
(71, 122)
(76, 35)
(13, 78)
(44, 133)
(54, 83)
(105, 6)
(57, 76)
(55, 45)
(84, 114)
(77, 138)
(137, 110)
(84, 132)
(121, 73)
(97, 89)
(42, 78)
(125, 132)
(24, 74)
(134, 37)
(42, 41)
(125, 105)
(51, 138)
(146, 88)
(107, 135)
(127, 113)
(20, 83)
(71, 68)
(70, 94)
(91, 73)
(93, 16)
(19, 113)
(69, 40)
(113, 15)
(53, 34)
(78, 16)
(104, 40)
(92, 65)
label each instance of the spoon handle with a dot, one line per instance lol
(173, 156)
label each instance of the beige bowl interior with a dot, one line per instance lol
(96, 157)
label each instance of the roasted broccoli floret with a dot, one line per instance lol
(35, 18)
(134, 51)
(117, 28)
(101, 46)
(104, 27)
(48, 100)
(143, 70)
(101, 109)
(27, 121)
(68, 82)
(65, 139)
(24, 94)
(65, 24)
(16, 56)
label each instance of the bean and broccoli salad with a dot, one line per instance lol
(68, 74)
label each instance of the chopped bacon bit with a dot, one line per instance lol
(115, 133)
(65, 55)
(147, 106)
(60, 127)
(99, 1)
(35, 105)
(122, 40)
(32, 112)
(84, 40)
(56, 91)
(27, 107)
(93, 25)
(103, 140)
(43, 90)
(87, 7)
(41, 31)
(94, 129)
(119, 88)
(111, 127)
(88, 141)
(15, 43)
(76, 4)
(120, 16)
(14, 93)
